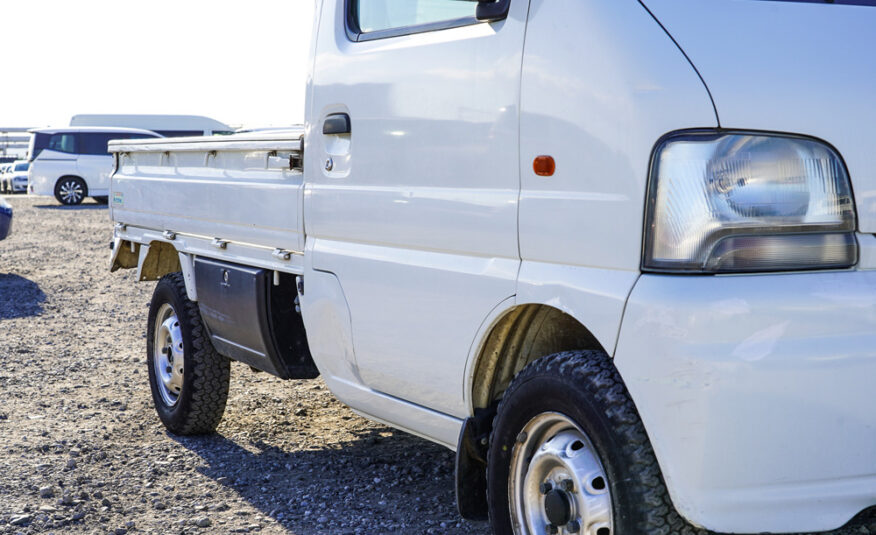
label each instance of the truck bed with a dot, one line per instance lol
(236, 198)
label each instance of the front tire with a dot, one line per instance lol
(70, 190)
(188, 378)
(569, 454)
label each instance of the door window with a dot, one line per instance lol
(63, 143)
(95, 143)
(379, 15)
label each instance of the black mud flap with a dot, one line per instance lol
(253, 320)
(471, 465)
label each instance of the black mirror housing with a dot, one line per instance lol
(492, 10)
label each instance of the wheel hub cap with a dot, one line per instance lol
(71, 192)
(557, 483)
(169, 357)
(557, 508)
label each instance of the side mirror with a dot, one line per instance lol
(492, 10)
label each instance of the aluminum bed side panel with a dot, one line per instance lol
(228, 195)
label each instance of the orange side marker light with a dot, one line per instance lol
(544, 165)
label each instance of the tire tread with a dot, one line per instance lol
(212, 371)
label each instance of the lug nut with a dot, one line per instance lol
(551, 529)
(568, 485)
(545, 487)
(573, 526)
(168, 369)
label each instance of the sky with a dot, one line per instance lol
(241, 62)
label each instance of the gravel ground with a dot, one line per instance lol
(82, 451)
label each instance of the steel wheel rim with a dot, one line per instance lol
(557, 483)
(71, 192)
(168, 355)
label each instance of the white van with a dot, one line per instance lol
(73, 163)
(166, 125)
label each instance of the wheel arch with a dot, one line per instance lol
(153, 260)
(156, 260)
(512, 337)
(517, 336)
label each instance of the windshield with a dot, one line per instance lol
(21, 167)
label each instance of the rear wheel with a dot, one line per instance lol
(70, 190)
(188, 378)
(569, 454)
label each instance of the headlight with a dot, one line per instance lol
(732, 202)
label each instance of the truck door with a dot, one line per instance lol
(413, 181)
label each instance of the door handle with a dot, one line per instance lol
(336, 123)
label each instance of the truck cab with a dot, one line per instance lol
(619, 257)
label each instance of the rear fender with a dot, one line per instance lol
(153, 261)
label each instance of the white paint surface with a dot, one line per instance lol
(755, 390)
(757, 395)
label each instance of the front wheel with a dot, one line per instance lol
(569, 454)
(188, 378)
(70, 190)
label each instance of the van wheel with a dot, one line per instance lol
(70, 190)
(188, 378)
(569, 454)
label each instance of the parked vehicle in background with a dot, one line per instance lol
(4, 168)
(5, 218)
(166, 125)
(630, 278)
(15, 178)
(73, 163)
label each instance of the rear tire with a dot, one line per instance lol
(188, 378)
(568, 449)
(70, 190)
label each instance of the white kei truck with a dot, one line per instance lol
(619, 255)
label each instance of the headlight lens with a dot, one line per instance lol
(731, 202)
